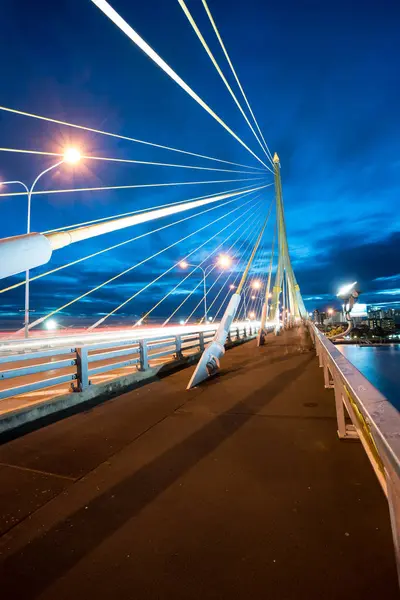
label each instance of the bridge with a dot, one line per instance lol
(225, 449)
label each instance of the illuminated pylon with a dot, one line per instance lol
(292, 301)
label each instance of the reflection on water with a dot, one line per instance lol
(380, 365)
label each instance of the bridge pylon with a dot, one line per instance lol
(285, 286)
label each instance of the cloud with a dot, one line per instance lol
(388, 278)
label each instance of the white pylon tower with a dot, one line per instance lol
(285, 277)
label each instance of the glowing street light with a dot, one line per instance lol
(253, 285)
(252, 315)
(71, 156)
(345, 290)
(182, 322)
(51, 324)
(330, 311)
(224, 261)
(232, 287)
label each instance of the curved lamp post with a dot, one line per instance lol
(71, 156)
(223, 261)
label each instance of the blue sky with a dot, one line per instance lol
(323, 81)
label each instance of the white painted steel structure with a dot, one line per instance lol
(84, 359)
(374, 420)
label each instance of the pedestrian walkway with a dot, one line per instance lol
(239, 488)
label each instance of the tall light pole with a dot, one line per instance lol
(28, 227)
(71, 155)
(223, 261)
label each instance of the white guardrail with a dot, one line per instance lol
(374, 420)
(77, 364)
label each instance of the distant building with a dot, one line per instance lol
(336, 318)
(386, 323)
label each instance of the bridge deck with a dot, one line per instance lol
(237, 489)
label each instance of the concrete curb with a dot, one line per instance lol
(25, 419)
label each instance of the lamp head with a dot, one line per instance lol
(224, 261)
(72, 156)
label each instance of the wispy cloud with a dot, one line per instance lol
(388, 278)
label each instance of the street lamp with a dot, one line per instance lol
(71, 156)
(349, 295)
(253, 285)
(346, 290)
(224, 261)
(51, 324)
(256, 284)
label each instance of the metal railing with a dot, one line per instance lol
(363, 412)
(77, 365)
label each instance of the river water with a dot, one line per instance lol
(380, 365)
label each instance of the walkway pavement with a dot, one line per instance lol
(237, 489)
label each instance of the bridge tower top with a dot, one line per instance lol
(276, 158)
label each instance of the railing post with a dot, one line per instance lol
(237, 333)
(201, 341)
(320, 354)
(144, 356)
(340, 417)
(327, 375)
(229, 337)
(178, 347)
(82, 369)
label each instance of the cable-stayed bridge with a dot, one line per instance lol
(206, 273)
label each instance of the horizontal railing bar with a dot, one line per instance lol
(21, 371)
(112, 354)
(190, 347)
(113, 367)
(160, 354)
(161, 345)
(158, 339)
(33, 355)
(37, 385)
(113, 344)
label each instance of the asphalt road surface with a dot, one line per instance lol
(237, 489)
